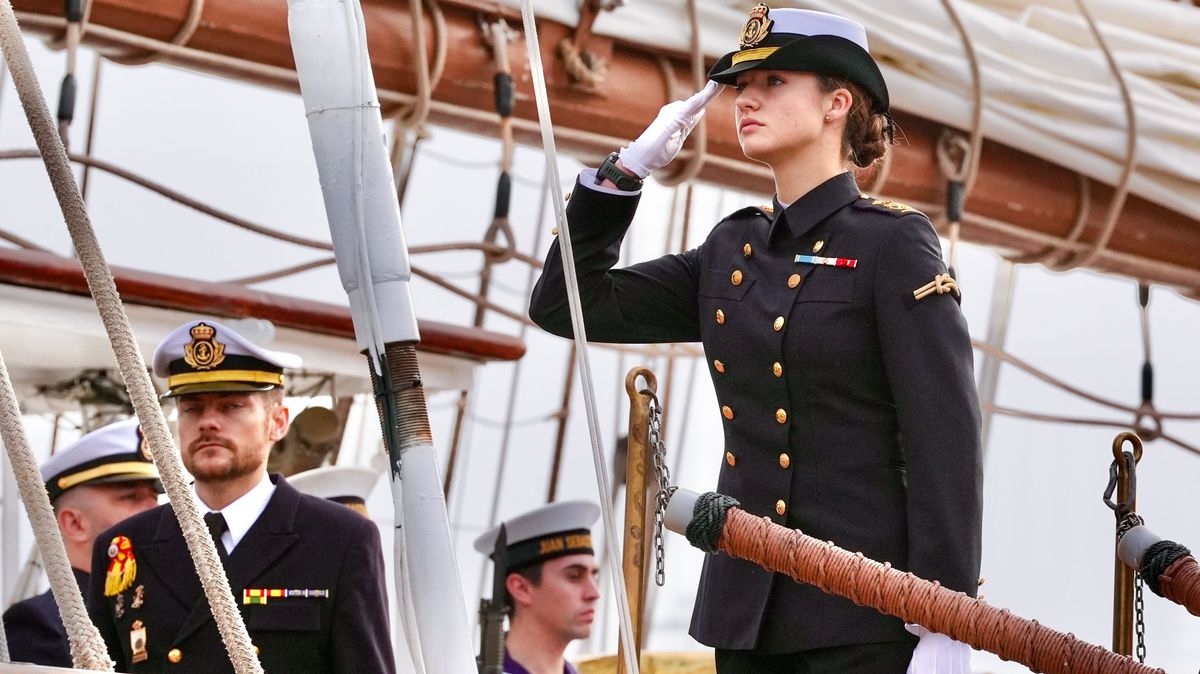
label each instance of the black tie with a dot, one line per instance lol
(217, 528)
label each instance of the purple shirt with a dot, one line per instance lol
(513, 667)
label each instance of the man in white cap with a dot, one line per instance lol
(550, 580)
(308, 572)
(99, 480)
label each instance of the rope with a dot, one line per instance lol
(1082, 211)
(694, 162)
(414, 115)
(21, 242)
(584, 67)
(1079, 421)
(182, 36)
(1131, 138)
(1181, 584)
(89, 143)
(88, 650)
(580, 332)
(178, 197)
(867, 582)
(1157, 558)
(129, 356)
(4, 656)
(708, 520)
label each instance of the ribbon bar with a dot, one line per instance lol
(827, 261)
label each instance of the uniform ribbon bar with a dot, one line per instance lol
(827, 261)
(262, 595)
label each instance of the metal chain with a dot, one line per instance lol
(665, 490)
(1139, 628)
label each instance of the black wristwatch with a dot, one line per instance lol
(621, 179)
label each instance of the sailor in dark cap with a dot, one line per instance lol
(550, 579)
(834, 339)
(307, 573)
(99, 480)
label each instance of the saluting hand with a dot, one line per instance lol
(661, 141)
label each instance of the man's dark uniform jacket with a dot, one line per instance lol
(36, 632)
(299, 542)
(849, 407)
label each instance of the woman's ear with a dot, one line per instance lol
(838, 104)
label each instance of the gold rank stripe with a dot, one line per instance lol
(250, 376)
(122, 468)
(753, 54)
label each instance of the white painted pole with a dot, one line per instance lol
(336, 82)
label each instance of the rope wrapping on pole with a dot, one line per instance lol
(1181, 583)
(129, 356)
(870, 583)
(87, 647)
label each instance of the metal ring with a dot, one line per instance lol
(1119, 442)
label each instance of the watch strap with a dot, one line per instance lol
(609, 170)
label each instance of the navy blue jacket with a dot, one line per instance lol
(299, 542)
(35, 629)
(850, 410)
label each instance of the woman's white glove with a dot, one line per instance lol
(938, 654)
(661, 141)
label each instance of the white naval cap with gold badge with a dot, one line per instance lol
(115, 453)
(348, 485)
(204, 356)
(554, 530)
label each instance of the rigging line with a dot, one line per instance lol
(129, 357)
(694, 163)
(476, 166)
(177, 197)
(1007, 357)
(580, 331)
(283, 273)
(518, 367)
(89, 143)
(1083, 211)
(484, 247)
(970, 168)
(21, 242)
(1131, 146)
(182, 36)
(515, 423)
(1086, 421)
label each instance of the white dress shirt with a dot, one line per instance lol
(242, 513)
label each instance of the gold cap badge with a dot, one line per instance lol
(204, 352)
(757, 27)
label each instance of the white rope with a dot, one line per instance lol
(129, 356)
(585, 369)
(4, 656)
(87, 646)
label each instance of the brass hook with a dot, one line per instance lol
(1119, 443)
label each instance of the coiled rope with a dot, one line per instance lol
(129, 356)
(88, 650)
(581, 345)
(869, 583)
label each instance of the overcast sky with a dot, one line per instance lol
(1048, 537)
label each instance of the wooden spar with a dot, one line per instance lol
(46, 271)
(1037, 198)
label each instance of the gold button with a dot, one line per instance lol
(554, 231)
(747, 250)
(777, 368)
(785, 461)
(175, 656)
(720, 317)
(794, 280)
(719, 366)
(727, 412)
(780, 507)
(736, 277)
(778, 324)
(256, 651)
(730, 459)
(781, 415)
(818, 246)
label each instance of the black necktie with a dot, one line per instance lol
(217, 528)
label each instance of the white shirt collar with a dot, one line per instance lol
(242, 513)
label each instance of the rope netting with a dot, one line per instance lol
(719, 524)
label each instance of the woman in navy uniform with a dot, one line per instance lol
(841, 360)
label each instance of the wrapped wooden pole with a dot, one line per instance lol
(1168, 568)
(713, 522)
(633, 553)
